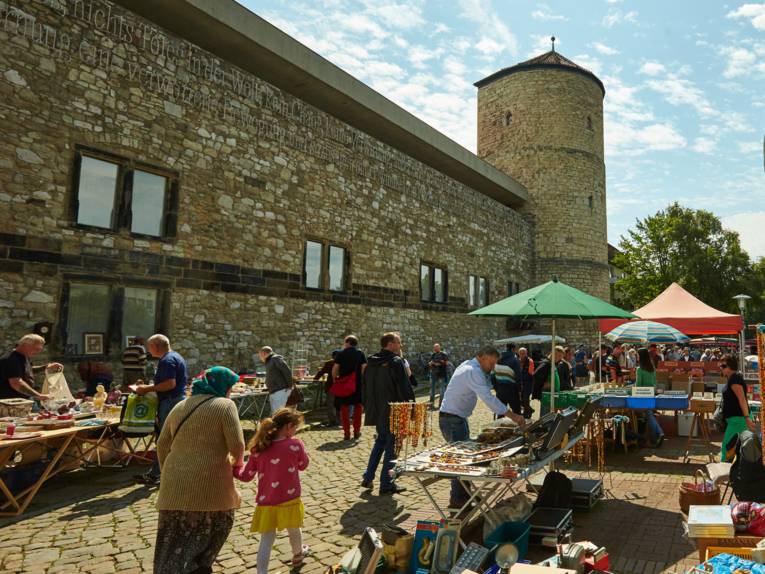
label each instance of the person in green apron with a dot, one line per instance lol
(734, 404)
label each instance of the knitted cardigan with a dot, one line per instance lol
(196, 472)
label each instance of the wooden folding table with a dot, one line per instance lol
(69, 448)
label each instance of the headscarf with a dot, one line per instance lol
(214, 381)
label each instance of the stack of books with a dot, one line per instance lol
(710, 522)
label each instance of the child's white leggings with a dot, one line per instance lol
(267, 542)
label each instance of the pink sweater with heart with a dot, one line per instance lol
(277, 469)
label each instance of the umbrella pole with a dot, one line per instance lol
(553, 368)
(600, 346)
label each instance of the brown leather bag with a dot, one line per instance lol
(296, 397)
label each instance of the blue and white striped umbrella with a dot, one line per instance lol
(646, 332)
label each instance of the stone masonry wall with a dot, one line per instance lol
(259, 173)
(553, 145)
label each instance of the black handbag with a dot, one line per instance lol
(296, 397)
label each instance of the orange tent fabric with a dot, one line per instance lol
(678, 308)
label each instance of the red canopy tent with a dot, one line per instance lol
(678, 308)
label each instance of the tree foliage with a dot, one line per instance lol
(686, 246)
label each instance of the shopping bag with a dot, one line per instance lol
(139, 414)
(56, 386)
(344, 386)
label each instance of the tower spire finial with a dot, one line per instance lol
(552, 39)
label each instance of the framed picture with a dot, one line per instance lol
(130, 340)
(93, 343)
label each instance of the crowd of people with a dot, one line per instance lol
(201, 441)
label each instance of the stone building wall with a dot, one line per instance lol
(259, 172)
(552, 143)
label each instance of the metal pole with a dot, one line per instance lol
(553, 368)
(600, 346)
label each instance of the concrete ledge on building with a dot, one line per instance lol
(242, 38)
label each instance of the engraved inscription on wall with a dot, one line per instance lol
(113, 41)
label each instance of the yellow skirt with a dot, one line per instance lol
(288, 514)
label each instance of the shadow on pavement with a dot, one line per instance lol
(82, 488)
(371, 510)
(337, 445)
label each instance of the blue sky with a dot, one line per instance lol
(685, 83)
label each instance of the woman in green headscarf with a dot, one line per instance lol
(201, 438)
(215, 381)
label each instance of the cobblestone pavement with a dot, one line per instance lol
(98, 521)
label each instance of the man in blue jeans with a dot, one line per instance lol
(437, 365)
(385, 382)
(470, 381)
(170, 386)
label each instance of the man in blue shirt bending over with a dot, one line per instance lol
(470, 381)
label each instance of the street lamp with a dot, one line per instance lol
(741, 299)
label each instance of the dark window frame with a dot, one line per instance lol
(122, 214)
(113, 336)
(474, 283)
(431, 295)
(326, 245)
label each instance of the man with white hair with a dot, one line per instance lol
(17, 372)
(170, 386)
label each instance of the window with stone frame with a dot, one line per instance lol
(115, 310)
(513, 288)
(478, 291)
(111, 192)
(325, 266)
(434, 286)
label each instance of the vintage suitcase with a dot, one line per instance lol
(585, 492)
(549, 524)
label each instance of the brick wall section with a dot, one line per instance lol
(259, 173)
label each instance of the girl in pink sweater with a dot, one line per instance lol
(277, 458)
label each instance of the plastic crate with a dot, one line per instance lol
(516, 533)
(740, 552)
(613, 401)
(641, 402)
(672, 403)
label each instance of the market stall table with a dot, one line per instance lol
(71, 448)
(485, 490)
(251, 403)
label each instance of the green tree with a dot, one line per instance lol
(686, 246)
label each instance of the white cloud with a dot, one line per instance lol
(625, 138)
(704, 145)
(605, 50)
(749, 227)
(739, 63)
(398, 16)
(545, 13)
(750, 147)
(682, 92)
(652, 69)
(490, 24)
(541, 43)
(589, 63)
(419, 56)
(489, 47)
(754, 12)
(617, 17)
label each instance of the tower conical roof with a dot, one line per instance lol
(551, 59)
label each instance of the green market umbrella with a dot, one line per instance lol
(553, 300)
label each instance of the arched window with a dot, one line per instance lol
(589, 123)
(508, 119)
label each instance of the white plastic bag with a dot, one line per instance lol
(56, 386)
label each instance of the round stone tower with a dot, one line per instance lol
(541, 122)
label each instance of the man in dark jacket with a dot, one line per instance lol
(509, 390)
(278, 378)
(385, 381)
